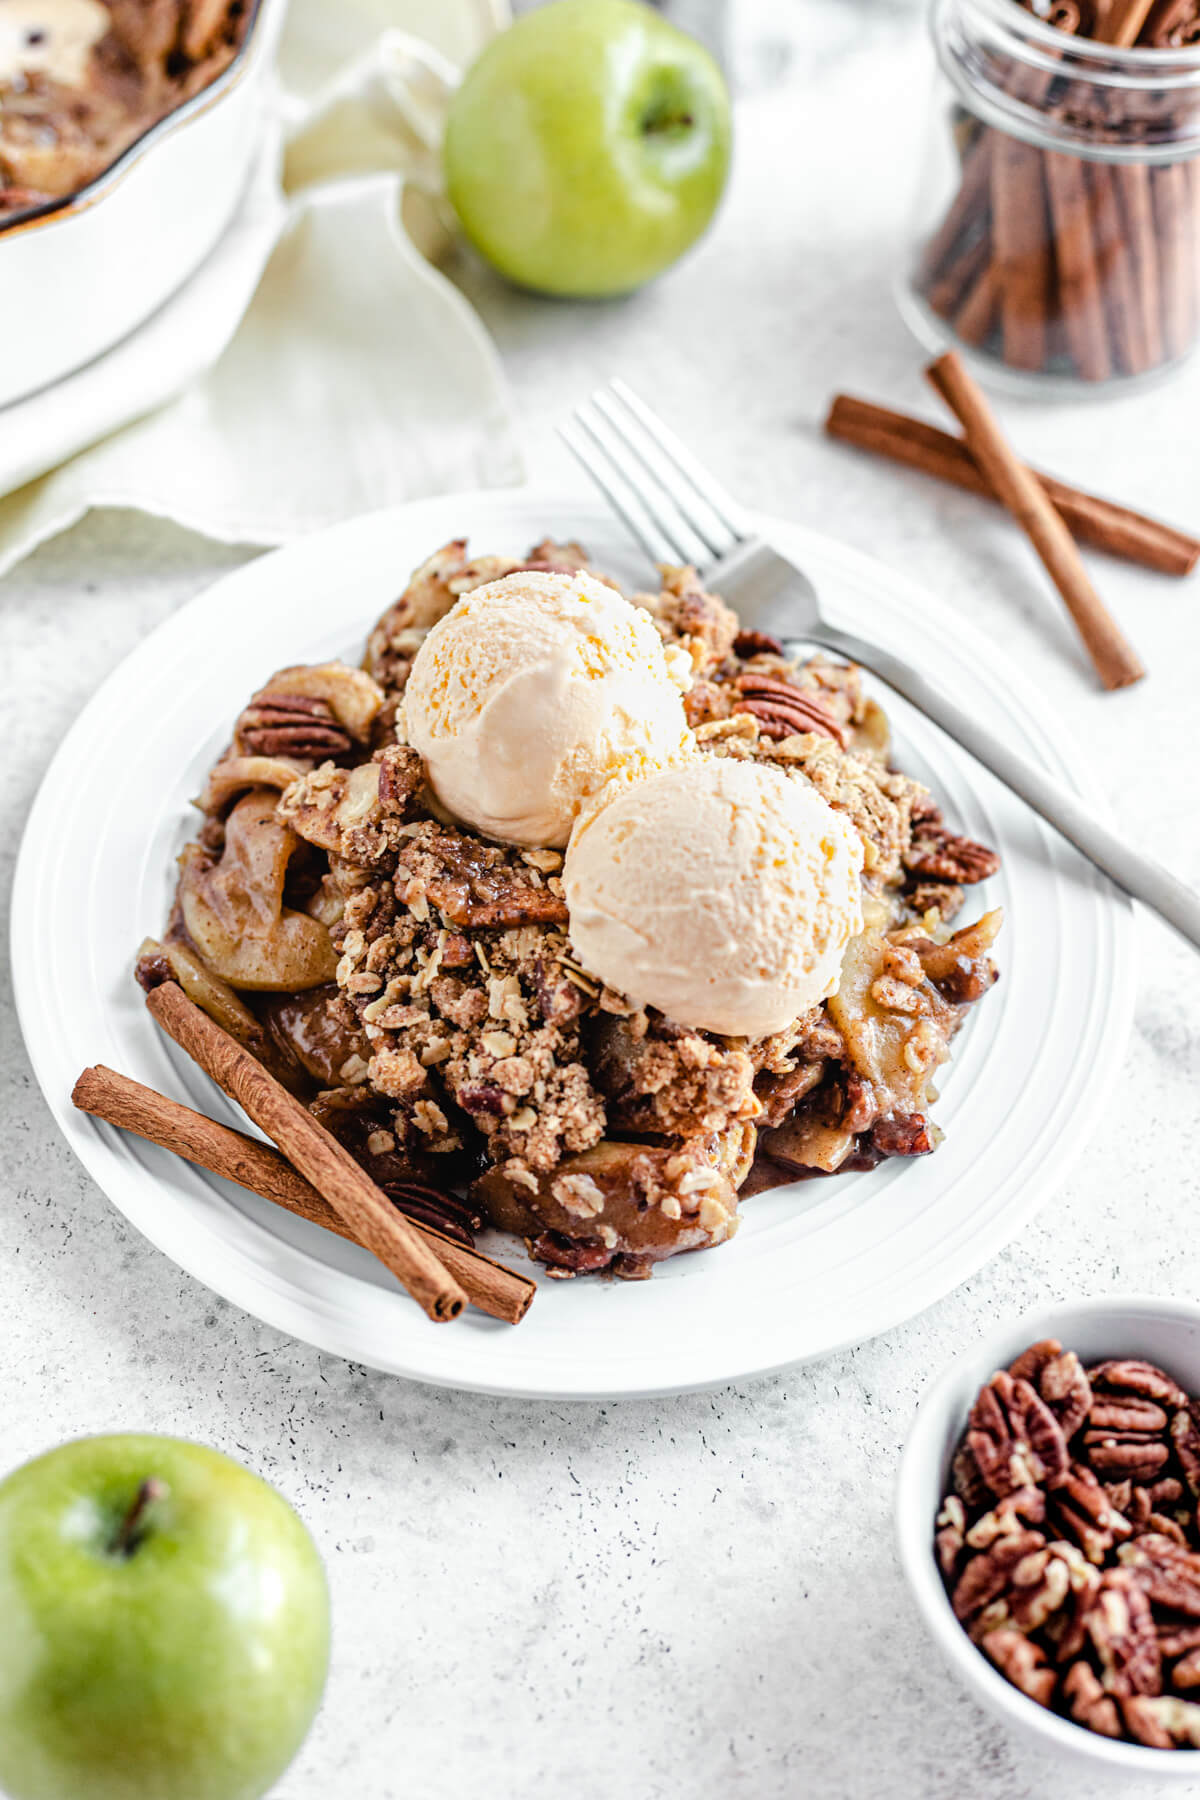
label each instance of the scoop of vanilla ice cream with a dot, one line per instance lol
(722, 892)
(532, 692)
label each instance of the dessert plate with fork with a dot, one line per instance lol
(816, 1264)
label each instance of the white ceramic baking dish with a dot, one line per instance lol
(77, 278)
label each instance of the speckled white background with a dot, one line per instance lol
(691, 1598)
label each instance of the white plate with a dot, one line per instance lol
(815, 1266)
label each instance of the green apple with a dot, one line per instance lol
(588, 147)
(164, 1625)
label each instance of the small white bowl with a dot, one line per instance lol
(1166, 1332)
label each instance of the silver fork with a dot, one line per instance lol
(679, 514)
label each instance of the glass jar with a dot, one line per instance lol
(1058, 239)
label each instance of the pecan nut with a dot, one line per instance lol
(946, 898)
(1121, 1628)
(1015, 1438)
(904, 1134)
(290, 725)
(1060, 1379)
(1114, 1456)
(1185, 1435)
(1169, 1574)
(1163, 1723)
(1017, 1512)
(783, 710)
(1142, 1417)
(1022, 1662)
(756, 643)
(938, 854)
(969, 1484)
(1129, 1375)
(1087, 1702)
(516, 906)
(949, 1539)
(988, 1575)
(1087, 1516)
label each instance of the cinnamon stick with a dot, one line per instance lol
(1121, 21)
(958, 278)
(349, 1190)
(1023, 248)
(1079, 294)
(1115, 661)
(248, 1163)
(1122, 298)
(1171, 189)
(980, 308)
(1132, 183)
(1101, 524)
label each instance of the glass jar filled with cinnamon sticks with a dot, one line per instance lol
(1059, 238)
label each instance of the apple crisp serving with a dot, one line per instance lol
(82, 80)
(417, 985)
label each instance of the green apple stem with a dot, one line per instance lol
(131, 1529)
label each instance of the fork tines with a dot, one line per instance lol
(669, 501)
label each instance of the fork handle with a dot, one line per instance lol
(1139, 876)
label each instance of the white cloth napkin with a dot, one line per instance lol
(318, 365)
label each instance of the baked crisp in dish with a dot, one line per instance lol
(418, 983)
(82, 80)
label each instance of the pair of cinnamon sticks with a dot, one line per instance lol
(1047, 511)
(1101, 524)
(1054, 261)
(310, 1174)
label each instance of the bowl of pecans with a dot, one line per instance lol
(1047, 1521)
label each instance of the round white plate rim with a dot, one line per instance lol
(255, 1289)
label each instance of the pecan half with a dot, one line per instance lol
(473, 883)
(516, 905)
(1121, 1628)
(783, 710)
(437, 1207)
(1060, 1379)
(1142, 1417)
(1162, 1723)
(1041, 1585)
(1022, 1662)
(1129, 1375)
(1015, 1438)
(938, 854)
(949, 1539)
(968, 1482)
(1178, 1640)
(1087, 1702)
(1085, 1514)
(1017, 1512)
(756, 643)
(904, 1134)
(1115, 1455)
(988, 1575)
(564, 1257)
(291, 725)
(1185, 1435)
(1169, 1574)
(945, 898)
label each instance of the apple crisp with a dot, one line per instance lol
(416, 983)
(82, 80)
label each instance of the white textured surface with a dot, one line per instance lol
(694, 1598)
